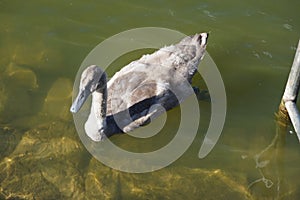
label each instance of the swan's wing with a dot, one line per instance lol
(134, 91)
(130, 99)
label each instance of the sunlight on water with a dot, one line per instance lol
(42, 47)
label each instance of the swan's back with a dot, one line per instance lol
(144, 81)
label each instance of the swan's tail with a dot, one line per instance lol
(199, 39)
(202, 38)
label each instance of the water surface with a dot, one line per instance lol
(42, 44)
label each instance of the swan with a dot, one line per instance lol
(140, 91)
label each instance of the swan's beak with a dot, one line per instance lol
(79, 101)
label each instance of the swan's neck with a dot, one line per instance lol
(95, 126)
(99, 98)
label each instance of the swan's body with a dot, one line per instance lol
(140, 91)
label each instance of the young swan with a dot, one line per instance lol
(140, 91)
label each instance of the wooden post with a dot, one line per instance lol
(288, 103)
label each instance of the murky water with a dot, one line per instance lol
(42, 44)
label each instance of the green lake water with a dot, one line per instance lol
(42, 45)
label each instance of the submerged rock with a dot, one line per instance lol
(19, 76)
(21, 178)
(18, 86)
(169, 183)
(10, 138)
(58, 101)
(46, 164)
(49, 162)
(103, 184)
(3, 97)
(37, 55)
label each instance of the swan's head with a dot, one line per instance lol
(93, 78)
